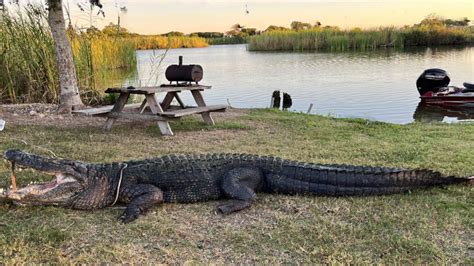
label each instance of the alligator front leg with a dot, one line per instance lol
(140, 198)
(240, 185)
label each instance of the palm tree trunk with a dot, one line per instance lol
(69, 93)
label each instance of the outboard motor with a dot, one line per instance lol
(432, 80)
(184, 73)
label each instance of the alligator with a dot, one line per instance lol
(194, 178)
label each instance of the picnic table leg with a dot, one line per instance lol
(156, 109)
(179, 100)
(200, 102)
(142, 107)
(167, 101)
(118, 107)
(169, 98)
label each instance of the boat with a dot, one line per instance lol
(434, 89)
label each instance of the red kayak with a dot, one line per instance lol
(433, 88)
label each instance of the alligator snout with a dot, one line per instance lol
(13, 155)
(28, 160)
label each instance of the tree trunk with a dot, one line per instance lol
(69, 94)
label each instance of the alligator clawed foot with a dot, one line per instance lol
(224, 210)
(231, 206)
(128, 217)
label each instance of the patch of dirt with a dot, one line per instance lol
(43, 114)
(47, 115)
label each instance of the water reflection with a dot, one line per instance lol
(115, 78)
(431, 113)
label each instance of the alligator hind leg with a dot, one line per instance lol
(140, 198)
(240, 185)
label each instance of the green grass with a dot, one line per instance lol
(433, 226)
(334, 39)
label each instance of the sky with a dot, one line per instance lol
(161, 16)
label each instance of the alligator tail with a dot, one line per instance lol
(344, 180)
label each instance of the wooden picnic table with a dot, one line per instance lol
(160, 112)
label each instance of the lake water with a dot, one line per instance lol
(377, 85)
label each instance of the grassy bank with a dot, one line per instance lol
(170, 40)
(227, 40)
(433, 226)
(28, 66)
(333, 39)
(145, 42)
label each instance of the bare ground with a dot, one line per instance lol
(46, 114)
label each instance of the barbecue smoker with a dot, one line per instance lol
(184, 74)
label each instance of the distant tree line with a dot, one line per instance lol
(434, 19)
(239, 33)
(207, 35)
(297, 26)
(431, 19)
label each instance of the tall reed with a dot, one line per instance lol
(27, 60)
(27, 63)
(227, 40)
(95, 55)
(356, 39)
(146, 42)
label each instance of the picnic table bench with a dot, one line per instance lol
(159, 112)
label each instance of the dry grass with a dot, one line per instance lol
(147, 42)
(433, 226)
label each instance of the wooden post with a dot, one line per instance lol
(118, 107)
(200, 102)
(156, 109)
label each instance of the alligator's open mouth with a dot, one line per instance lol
(34, 188)
(63, 185)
